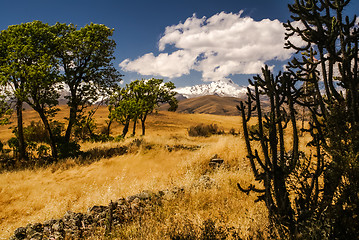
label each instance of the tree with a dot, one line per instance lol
(123, 107)
(29, 68)
(140, 98)
(86, 56)
(151, 93)
(5, 113)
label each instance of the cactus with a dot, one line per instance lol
(314, 194)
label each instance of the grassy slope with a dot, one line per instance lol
(37, 195)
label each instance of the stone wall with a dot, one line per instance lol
(83, 225)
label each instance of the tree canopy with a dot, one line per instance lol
(140, 98)
(29, 71)
(86, 55)
(36, 60)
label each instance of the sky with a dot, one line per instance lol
(187, 42)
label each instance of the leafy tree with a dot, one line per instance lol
(150, 93)
(123, 107)
(5, 113)
(28, 67)
(5, 110)
(138, 99)
(85, 56)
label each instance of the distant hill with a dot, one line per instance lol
(223, 88)
(210, 104)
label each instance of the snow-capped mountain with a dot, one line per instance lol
(223, 88)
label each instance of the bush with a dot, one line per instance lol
(37, 133)
(233, 132)
(66, 150)
(202, 130)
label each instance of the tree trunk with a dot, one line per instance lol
(134, 127)
(108, 127)
(143, 120)
(20, 131)
(125, 128)
(51, 135)
(72, 119)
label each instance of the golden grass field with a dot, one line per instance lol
(30, 196)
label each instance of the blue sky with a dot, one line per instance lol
(147, 45)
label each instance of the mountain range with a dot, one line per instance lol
(219, 98)
(209, 104)
(222, 88)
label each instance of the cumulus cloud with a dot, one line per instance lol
(219, 46)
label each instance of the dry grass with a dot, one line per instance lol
(37, 195)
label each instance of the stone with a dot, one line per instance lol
(58, 226)
(96, 209)
(142, 196)
(20, 233)
(32, 229)
(48, 223)
(36, 236)
(215, 161)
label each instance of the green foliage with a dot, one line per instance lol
(36, 132)
(29, 67)
(84, 129)
(5, 111)
(138, 99)
(68, 149)
(13, 144)
(202, 130)
(42, 151)
(86, 56)
(31, 55)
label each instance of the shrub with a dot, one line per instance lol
(66, 150)
(202, 130)
(37, 133)
(233, 132)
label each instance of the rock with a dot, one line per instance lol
(49, 222)
(73, 220)
(215, 161)
(58, 226)
(20, 233)
(36, 236)
(32, 229)
(142, 196)
(58, 236)
(96, 209)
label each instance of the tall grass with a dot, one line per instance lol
(37, 195)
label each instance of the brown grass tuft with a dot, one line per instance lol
(31, 196)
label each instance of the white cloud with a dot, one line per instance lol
(219, 46)
(171, 65)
